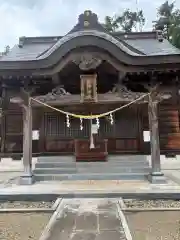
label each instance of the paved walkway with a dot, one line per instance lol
(71, 188)
(11, 170)
(88, 219)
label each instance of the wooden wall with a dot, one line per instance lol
(125, 136)
(169, 127)
(14, 130)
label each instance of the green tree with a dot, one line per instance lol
(6, 50)
(164, 13)
(110, 24)
(174, 29)
(127, 21)
(169, 22)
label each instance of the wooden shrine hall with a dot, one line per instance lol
(90, 94)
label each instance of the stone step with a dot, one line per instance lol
(89, 170)
(91, 164)
(55, 171)
(44, 159)
(90, 176)
(71, 159)
(127, 157)
(115, 168)
(55, 165)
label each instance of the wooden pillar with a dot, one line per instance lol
(3, 120)
(155, 176)
(27, 177)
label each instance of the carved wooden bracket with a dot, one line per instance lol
(56, 94)
(159, 93)
(127, 94)
(23, 98)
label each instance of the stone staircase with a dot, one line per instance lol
(116, 168)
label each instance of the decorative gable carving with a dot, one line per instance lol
(88, 20)
(87, 61)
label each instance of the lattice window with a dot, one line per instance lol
(55, 125)
(126, 125)
(106, 130)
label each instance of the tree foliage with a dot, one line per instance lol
(110, 24)
(6, 50)
(169, 22)
(127, 21)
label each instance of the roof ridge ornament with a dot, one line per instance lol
(88, 20)
(159, 35)
(21, 41)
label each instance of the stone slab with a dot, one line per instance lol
(81, 219)
(86, 221)
(26, 180)
(157, 178)
(109, 235)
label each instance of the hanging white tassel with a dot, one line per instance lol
(111, 119)
(81, 124)
(91, 138)
(97, 123)
(67, 121)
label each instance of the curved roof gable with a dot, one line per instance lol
(91, 33)
(88, 25)
(45, 52)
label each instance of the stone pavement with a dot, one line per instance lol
(71, 188)
(88, 219)
(11, 170)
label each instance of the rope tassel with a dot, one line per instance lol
(91, 138)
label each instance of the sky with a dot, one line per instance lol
(56, 17)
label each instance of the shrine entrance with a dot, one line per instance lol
(92, 116)
(92, 140)
(79, 82)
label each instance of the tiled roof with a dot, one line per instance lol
(33, 50)
(27, 52)
(142, 44)
(153, 46)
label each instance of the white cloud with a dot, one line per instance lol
(56, 17)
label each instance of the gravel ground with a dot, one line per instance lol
(25, 204)
(132, 203)
(154, 225)
(24, 226)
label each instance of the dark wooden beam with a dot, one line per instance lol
(56, 79)
(4, 103)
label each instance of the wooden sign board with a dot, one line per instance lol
(94, 129)
(89, 88)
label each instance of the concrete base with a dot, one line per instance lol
(26, 180)
(157, 178)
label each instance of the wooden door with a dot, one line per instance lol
(127, 133)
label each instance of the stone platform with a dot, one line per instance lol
(90, 189)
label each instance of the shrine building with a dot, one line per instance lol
(90, 96)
